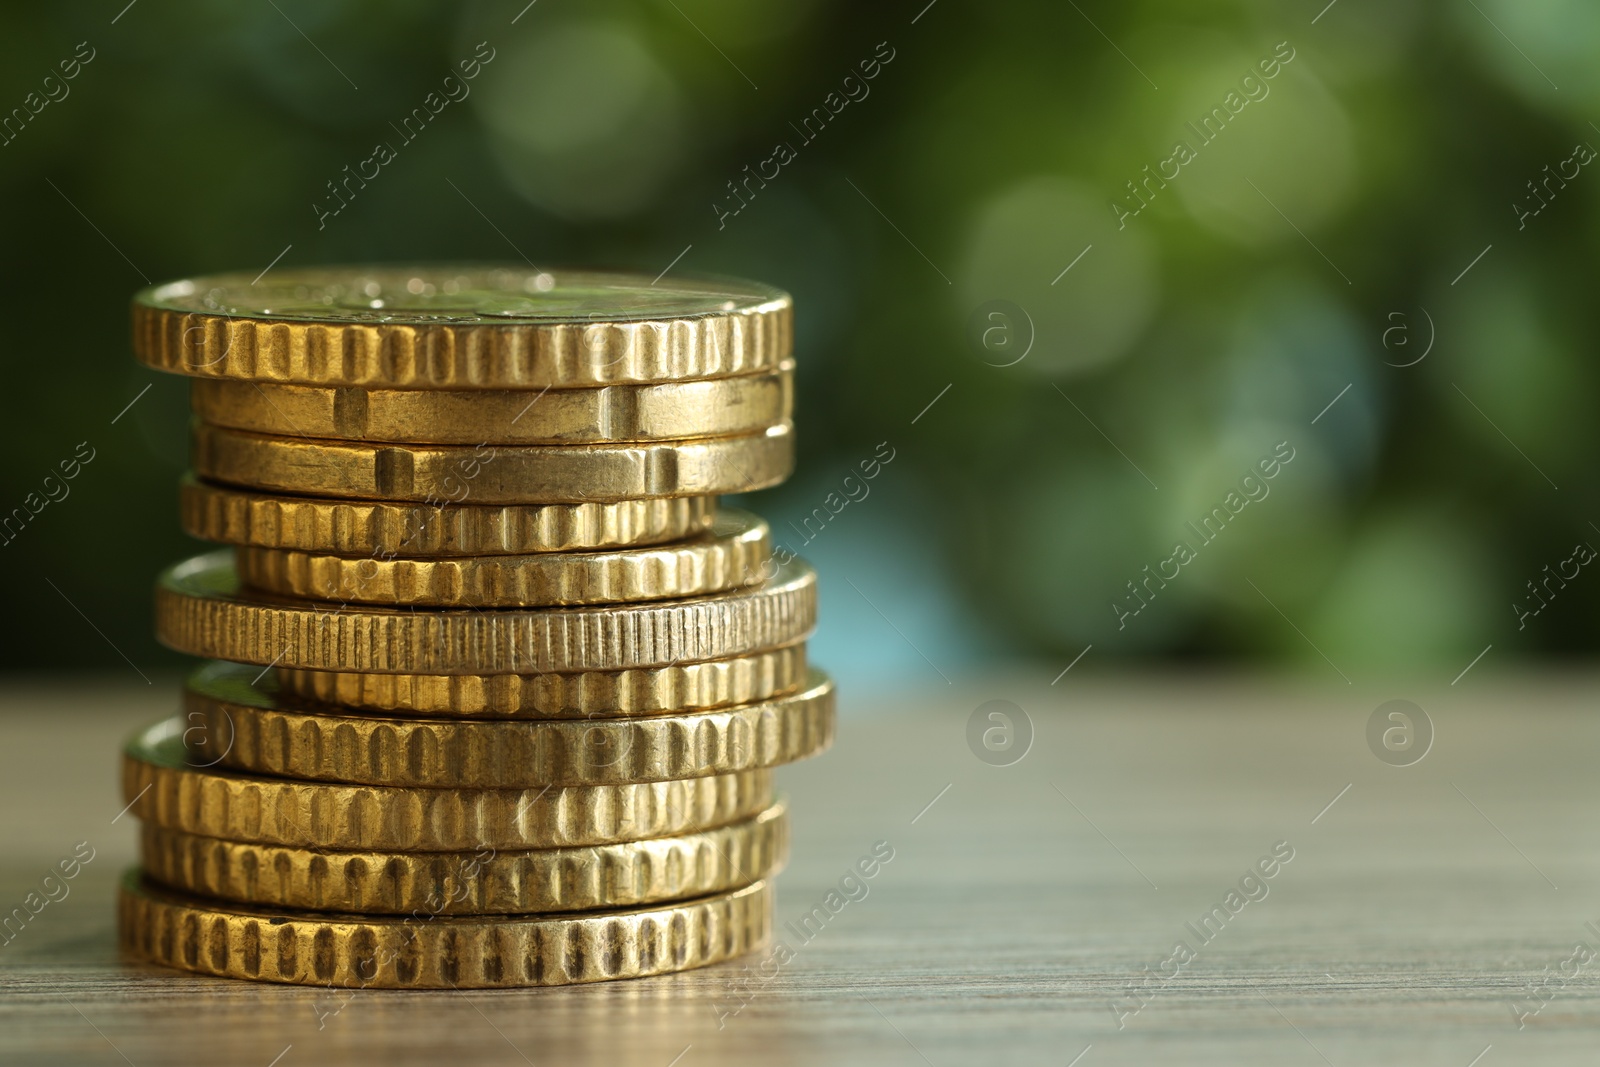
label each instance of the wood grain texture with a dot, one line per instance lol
(1015, 910)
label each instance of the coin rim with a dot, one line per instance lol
(264, 736)
(732, 554)
(395, 882)
(196, 931)
(618, 697)
(211, 512)
(274, 463)
(233, 625)
(430, 354)
(159, 787)
(212, 401)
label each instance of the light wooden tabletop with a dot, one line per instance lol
(1017, 919)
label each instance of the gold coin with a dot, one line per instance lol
(201, 610)
(442, 952)
(485, 882)
(233, 724)
(494, 474)
(374, 528)
(164, 787)
(716, 407)
(735, 552)
(648, 691)
(447, 327)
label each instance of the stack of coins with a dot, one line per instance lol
(494, 689)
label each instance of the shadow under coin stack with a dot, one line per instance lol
(495, 689)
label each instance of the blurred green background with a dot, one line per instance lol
(1344, 198)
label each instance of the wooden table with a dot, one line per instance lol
(1022, 902)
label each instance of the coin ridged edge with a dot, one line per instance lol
(477, 642)
(476, 356)
(320, 746)
(159, 789)
(236, 516)
(638, 691)
(484, 882)
(192, 934)
(732, 554)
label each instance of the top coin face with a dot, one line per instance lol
(448, 326)
(456, 295)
